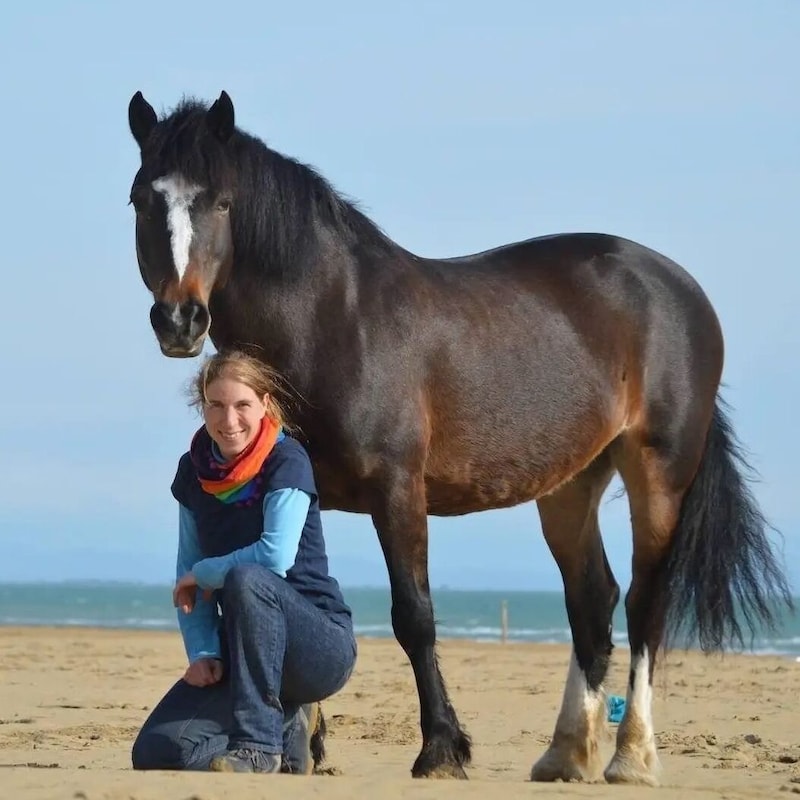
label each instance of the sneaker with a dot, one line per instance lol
(246, 760)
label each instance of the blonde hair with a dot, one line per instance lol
(241, 367)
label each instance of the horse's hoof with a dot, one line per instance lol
(556, 765)
(444, 756)
(441, 771)
(440, 760)
(626, 767)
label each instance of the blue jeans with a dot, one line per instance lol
(280, 652)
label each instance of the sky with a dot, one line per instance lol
(458, 126)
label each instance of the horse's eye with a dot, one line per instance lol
(142, 210)
(139, 199)
(224, 205)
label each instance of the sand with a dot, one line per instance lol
(71, 702)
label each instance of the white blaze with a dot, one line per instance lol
(179, 196)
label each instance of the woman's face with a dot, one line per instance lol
(232, 412)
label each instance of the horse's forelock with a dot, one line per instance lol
(183, 144)
(277, 198)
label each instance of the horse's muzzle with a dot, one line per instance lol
(180, 328)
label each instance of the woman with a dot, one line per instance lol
(250, 543)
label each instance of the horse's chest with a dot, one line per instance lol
(339, 486)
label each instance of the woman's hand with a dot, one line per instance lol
(185, 593)
(203, 672)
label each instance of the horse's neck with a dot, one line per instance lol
(281, 316)
(298, 311)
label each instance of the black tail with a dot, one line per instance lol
(721, 568)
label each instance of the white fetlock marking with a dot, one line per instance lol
(640, 696)
(580, 704)
(573, 752)
(636, 760)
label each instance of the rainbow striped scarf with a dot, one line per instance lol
(232, 482)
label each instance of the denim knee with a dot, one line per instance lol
(244, 582)
(154, 751)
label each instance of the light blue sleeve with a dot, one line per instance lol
(285, 513)
(200, 627)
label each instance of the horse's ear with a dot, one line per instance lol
(220, 117)
(141, 118)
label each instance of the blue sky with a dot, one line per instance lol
(458, 126)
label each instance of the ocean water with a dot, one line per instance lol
(475, 615)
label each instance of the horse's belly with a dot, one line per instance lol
(512, 464)
(479, 486)
(489, 485)
(446, 498)
(468, 470)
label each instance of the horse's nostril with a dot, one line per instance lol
(192, 311)
(160, 316)
(195, 316)
(179, 325)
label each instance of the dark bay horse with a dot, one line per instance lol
(533, 371)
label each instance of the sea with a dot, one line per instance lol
(484, 616)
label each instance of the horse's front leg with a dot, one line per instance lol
(400, 517)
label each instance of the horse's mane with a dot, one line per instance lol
(279, 200)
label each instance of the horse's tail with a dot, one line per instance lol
(721, 568)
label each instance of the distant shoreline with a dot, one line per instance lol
(121, 584)
(481, 616)
(100, 629)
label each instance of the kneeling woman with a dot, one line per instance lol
(250, 544)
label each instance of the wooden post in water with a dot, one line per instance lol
(504, 622)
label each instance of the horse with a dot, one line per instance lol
(534, 371)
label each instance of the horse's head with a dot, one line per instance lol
(182, 195)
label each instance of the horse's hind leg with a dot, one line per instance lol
(570, 526)
(656, 478)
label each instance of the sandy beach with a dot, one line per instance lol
(71, 701)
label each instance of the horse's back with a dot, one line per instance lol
(560, 256)
(548, 346)
(567, 304)
(606, 288)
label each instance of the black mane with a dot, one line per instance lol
(279, 201)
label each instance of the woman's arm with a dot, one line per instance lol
(200, 627)
(285, 513)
